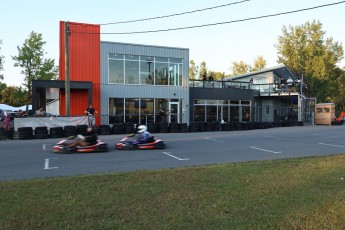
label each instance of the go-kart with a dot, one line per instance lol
(126, 143)
(62, 146)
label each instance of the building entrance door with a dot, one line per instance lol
(174, 112)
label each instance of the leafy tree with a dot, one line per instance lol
(203, 69)
(259, 63)
(193, 69)
(339, 98)
(1, 63)
(34, 66)
(14, 96)
(306, 51)
(239, 68)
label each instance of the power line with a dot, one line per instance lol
(228, 22)
(172, 15)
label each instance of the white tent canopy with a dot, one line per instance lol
(11, 108)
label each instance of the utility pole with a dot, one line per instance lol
(67, 81)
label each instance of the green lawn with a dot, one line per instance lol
(303, 193)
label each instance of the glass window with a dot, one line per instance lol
(245, 113)
(116, 110)
(132, 72)
(234, 111)
(199, 113)
(117, 56)
(211, 113)
(161, 73)
(162, 59)
(176, 60)
(132, 110)
(132, 57)
(146, 110)
(146, 73)
(267, 110)
(116, 73)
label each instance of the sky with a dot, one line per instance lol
(218, 46)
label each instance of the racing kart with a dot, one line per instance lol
(126, 143)
(61, 146)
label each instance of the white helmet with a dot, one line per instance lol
(142, 128)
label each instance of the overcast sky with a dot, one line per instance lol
(217, 45)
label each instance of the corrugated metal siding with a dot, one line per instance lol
(84, 54)
(143, 91)
(78, 97)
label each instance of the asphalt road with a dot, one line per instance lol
(27, 159)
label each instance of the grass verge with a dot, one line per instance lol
(303, 193)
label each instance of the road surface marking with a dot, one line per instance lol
(44, 147)
(46, 163)
(340, 146)
(180, 159)
(254, 147)
(213, 139)
(278, 138)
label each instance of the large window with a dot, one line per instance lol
(145, 70)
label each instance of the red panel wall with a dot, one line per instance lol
(84, 62)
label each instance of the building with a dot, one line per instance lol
(133, 82)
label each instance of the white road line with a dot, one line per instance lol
(180, 159)
(46, 163)
(44, 147)
(254, 147)
(278, 138)
(340, 146)
(213, 139)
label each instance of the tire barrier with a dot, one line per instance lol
(193, 127)
(209, 126)
(129, 127)
(25, 133)
(104, 130)
(183, 128)
(173, 128)
(226, 127)
(6, 134)
(69, 130)
(201, 126)
(163, 127)
(118, 128)
(82, 129)
(262, 125)
(237, 126)
(152, 127)
(41, 132)
(56, 132)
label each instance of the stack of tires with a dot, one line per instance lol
(173, 127)
(129, 127)
(82, 129)
(6, 134)
(41, 132)
(210, 126)
(104, 130)
(183, 128)
(201, 126)
(163, 127)
(69, 130)
(25, 133)
(193, 127)
(225, 127)
(152, 127)
(118, 128)
(56, 132)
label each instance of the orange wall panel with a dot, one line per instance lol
(84, 62)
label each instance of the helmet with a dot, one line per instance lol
(142, 128)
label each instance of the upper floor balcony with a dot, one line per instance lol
(270, 89)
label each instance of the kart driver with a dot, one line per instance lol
(142, 136)
(89, 139)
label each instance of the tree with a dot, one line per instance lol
(1, 63)
(34, 66)
(259, 63)
(193, 70)
(14, 96)
(305, 50)
(203, 70)
(239, 68)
